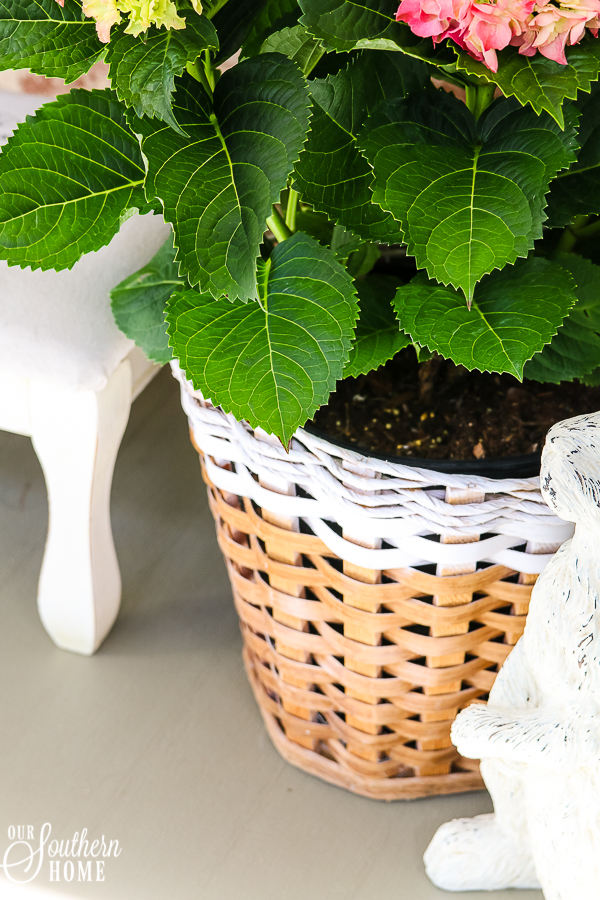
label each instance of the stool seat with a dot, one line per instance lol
(59, 325)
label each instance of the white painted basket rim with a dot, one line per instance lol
(374, 499)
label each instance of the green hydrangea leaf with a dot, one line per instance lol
(274, 16)
(143, 71)
(515, 312)
(234, 23)
(541, 82)
(574, 351)
(378, 336)
(68, 177)
(317, 225)
(276, 362)
(343, 242)
(217, 186)
(48, 39)
(139, 302)
(361, 261)
(344, 25)
(593, 379)
(297, 44)
(331, 173)
(576, 192)
(469, 196)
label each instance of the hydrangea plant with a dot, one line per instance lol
(285, 177)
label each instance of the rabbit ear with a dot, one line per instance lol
(570, 479)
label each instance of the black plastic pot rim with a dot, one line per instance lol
(527, 466)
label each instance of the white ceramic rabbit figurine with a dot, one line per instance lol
(539, 735)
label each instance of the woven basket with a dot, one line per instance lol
(375, 599)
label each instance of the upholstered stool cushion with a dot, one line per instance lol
(59, 325)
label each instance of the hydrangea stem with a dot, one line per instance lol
(581, 227)
(277, 225)
(589, 230)
(202, 70)
(197, 71)
(292, 206)
(209, 70)
(479, 97)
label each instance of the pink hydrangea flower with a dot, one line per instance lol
(492, 26)
(553, 28)
(482, 28)
(429, 18)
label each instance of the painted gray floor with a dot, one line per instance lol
(156, 740)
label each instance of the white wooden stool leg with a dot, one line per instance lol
(76, 435)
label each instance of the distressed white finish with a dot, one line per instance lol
(374, 500)
(539, 735)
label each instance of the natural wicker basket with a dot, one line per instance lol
(359, 669)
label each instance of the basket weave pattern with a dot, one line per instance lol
(358, 669)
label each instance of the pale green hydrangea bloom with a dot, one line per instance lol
(142, 14)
